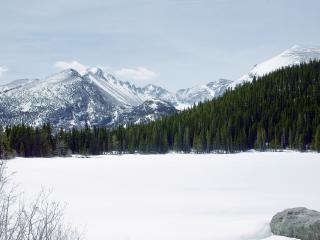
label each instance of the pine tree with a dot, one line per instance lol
(197, 144)
(186, 140)
(5, 150)
(22, 150)
(261, 139)
(61, 148)
(115, 144)
(316, 141)
(208, 141)
(2, 149)
(176, 145)
(283, 139)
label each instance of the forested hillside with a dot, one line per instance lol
(277, 111)
(280, 110)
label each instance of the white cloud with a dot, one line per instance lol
(3, 69)
(139, 73)
(62, 65)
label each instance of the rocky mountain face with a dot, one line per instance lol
(151, 91)
(184, 98)
(98, 98)
(69, 99)
(201, 93)
(149, 110)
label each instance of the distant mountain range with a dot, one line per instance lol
(97, 98)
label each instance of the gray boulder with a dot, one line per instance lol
(301, 223)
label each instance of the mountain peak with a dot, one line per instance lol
(296, 47)
(95, 71)
(70, 71)
(152, 87)
(299, 47)
(295, 55)
(63, 75)
(302, 53)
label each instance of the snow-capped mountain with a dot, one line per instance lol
(185, 98)
(94, 97)
(292, 56)
(201, 93)
(123, 92)
(149, 110)
(98, 98)
(70, 99)
(151, 91)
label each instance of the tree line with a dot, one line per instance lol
(278, 111)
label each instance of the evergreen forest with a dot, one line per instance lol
(278, 111)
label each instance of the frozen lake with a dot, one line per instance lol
(175, 196)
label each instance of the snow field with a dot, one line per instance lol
(175, 196)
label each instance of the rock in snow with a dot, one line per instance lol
(300, 223)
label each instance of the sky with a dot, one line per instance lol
(171, 43)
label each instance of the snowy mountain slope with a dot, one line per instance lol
(149, 110)
(151, 91)
(98, 98)
(200, 93)
(292, 56)
(93, 97)
(184, 98)
(69, 99)
(15, 84)
(63, 99)
(122, 91)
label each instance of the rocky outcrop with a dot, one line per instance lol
(300, 223)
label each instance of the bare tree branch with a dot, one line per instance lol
(40, 220)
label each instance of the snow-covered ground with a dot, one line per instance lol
(175, 196)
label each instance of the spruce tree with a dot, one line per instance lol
(316, 140)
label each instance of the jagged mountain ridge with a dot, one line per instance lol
(184, 98)
(149, 110)
(69, 99)
(93, 97)
(98, 98)
(202, 93)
